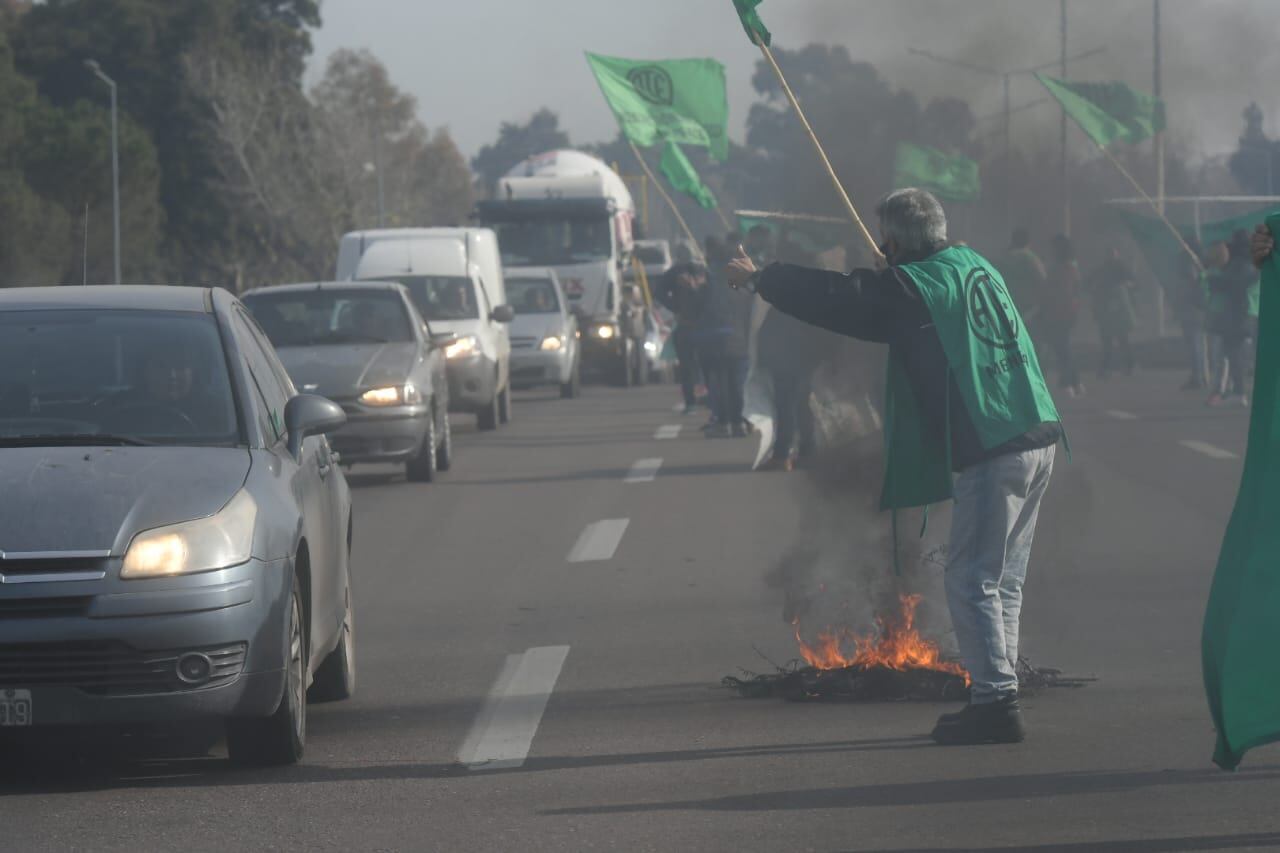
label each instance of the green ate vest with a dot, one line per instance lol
(994, 364)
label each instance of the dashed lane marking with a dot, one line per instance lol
(643, 471)
(1207, 449)
(504, 730)
(599, 540)
(1121, 416)
(667, 431)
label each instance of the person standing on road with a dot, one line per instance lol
(1112, 286)
(1190, 298)
(677, 292)
(722, 330)
(1024, 274)
(1231, 287)
(1060, 307)
(968, 416)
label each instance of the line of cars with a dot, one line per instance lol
(175, 526)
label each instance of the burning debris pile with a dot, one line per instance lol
(895, 663)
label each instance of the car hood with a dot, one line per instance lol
(97, 498)
(344, 370)
(537, 326)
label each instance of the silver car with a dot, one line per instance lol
(174, 535)
(364, 346)
(545, 348)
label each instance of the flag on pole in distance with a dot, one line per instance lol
(1108, 111)
(680, 172)
(951, 177)
(681, 100)
(751, 21)
(1241, 627)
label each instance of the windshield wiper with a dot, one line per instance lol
(79, 439)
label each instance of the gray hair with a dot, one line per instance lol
(914, 219)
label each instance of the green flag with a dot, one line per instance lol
(1241, 628)
(751, 20)
(682, 100)
(1108, 111)
(952, 178)
(680, 172)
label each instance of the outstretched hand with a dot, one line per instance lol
(1261, 244)
(739, 269)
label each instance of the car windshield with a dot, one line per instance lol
(114, 377)
(532, 296)
(554, 242)
(651, 255)
(299, 318)
(440, 297)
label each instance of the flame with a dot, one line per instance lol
(895, 645)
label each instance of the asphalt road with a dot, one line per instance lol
(602, 601)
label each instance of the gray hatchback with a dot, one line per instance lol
(174, 537)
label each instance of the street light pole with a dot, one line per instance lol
(92, 65)
(1062, 74)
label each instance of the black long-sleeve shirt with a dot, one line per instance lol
(885, 307)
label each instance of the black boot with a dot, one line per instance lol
(995, 722)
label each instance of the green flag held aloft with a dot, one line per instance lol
(751, 20)
(682, 100)
(951, 178)
(680, 172)
(1108, 111)
(1241, 628)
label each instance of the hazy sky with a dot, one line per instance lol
(475, 63)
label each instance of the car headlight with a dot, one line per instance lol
(221, 540)
(552, 344)
(462, 347)
(604, 333)
(392, 395)
(650, 346)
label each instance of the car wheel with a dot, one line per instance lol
(279, 738)
(504, 405)
(487, 419)
(422, 468)
(625, 374)
(444, 451)
(572, 388)
(336, 677)
(642, 365)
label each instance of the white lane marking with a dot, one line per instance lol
(1121, 416)
(678, 407)
(668, 431)
(504, 731)
(599, 540)
(643, 471)
(1207, 449)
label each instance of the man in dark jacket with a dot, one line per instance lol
(678, 291)
(965, 395)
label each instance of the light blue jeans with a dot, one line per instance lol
(992, 525)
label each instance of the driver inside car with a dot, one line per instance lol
(168, 400)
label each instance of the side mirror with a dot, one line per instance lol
(310, 414)
(442, 340)
(503, 314)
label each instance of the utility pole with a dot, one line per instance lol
(1062, 137)
(92, 65)
(1158, 143)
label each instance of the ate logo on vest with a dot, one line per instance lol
(653, 84)
(992, 318)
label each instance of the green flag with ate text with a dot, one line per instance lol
(682, 100)
(1241, 628)
(751, 20)
(1108, 111)
(949, 177)
(680, 172)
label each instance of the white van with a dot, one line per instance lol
(455, 278)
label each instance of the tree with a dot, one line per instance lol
(515, 143)
(1257, 159)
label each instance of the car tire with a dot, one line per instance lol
(572, 388)
(422, 468)
(504, 405)
(641, 360)
(487, 418)
(444, 450)
(279, 738)
(335, 678)
(625, 374)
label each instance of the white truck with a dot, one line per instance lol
(569, 211)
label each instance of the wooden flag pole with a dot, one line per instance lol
(822, 155)
(1137, 186)
(697, 247)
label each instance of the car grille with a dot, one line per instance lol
(523, 343)
(30, 569)
(110, 668)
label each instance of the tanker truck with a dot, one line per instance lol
(569, 211)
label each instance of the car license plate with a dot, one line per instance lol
(15, 707)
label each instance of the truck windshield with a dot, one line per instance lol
(553, 242)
